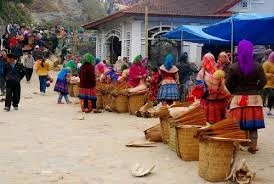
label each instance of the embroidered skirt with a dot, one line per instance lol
(61, 86)
(215, 110)
(250, 118)
(168, 92)
(87, 94)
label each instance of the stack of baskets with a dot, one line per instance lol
(136, 101)
(164, 122)
(121, 103)
(99, 102)
(74, 89)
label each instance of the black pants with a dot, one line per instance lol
(13, 93)
(264, 96)
(29, 72)
(270, 97)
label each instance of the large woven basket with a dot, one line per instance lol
(121, 103)
(99, 102)
(75, 89)
(104, 100)
(172, 137)
(70, 90)
(164, 129)
(111, 100)
(154, 133)
(135, 102)
(215, 159)
(187, 145)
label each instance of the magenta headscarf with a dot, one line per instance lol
(271, 57)
(245, 57)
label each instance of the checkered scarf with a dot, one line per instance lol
(208, 63)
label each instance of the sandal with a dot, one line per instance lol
(97, 111)
(252, 151)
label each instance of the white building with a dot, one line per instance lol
(122, 33)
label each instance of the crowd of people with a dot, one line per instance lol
(238, 90)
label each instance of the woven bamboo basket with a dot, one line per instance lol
(70, 90)
(164, 129)
(187, 146)
(121, 103)
(99, 102)
(75, 89)
(154, 133)
(104, 100)
(135, 102)
(215, 159)
(111, 100)
(172, 136)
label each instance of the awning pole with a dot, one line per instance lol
(232, 40)
(181, 42)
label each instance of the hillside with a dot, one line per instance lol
(52, 12)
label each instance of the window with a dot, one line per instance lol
(245, 4)
(100, 45)
(128, 45)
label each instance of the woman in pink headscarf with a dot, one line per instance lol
(223, 62)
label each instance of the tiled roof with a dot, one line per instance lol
(197, 8)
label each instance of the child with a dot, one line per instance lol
(61, 85)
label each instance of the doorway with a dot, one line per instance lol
(115, 49)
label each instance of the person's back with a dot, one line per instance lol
(42, 68)
(240, 84)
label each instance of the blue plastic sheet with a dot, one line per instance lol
(195, 34)
(256, 28)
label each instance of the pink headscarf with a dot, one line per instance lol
(271, 57)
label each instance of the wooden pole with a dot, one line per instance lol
(146, 28)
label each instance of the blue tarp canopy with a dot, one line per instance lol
(256, 28)
(194, 34)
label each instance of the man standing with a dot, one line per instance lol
(28, 62)
(13, 73)
(185, 71)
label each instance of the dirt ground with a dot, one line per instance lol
(42, 143)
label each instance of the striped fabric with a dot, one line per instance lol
(87, 94)
(168, 92)
(61, 86)
(215, 110)
(250, 118)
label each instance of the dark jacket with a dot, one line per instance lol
(2, 64)
(239, 84)
(185, 71)
(87, 76)
(14, 74)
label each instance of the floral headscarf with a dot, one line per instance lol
(88, 58)
(208, 63)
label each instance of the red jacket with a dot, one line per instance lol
(87, 76)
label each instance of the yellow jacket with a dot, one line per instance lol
(269, 73)
(42, 71)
